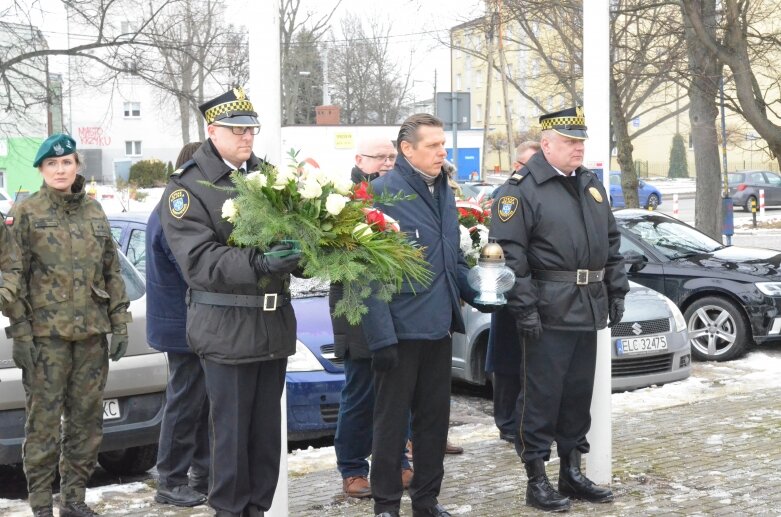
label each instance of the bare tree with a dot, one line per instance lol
(705, 72)
(367, 84)
(302, 70)
(101, 42)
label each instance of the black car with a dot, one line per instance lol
(730, 296)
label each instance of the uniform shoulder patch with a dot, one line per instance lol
(178, 202)
(516, 177)
(595, 194)
(507, 207)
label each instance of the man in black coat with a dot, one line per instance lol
(239, 318)
(353, 439)
(553, 221)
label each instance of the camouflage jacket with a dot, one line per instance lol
(71, 285)
(10, 264)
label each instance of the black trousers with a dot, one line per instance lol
(420, 383)
(507, 388)
(246, 439)
(557, 381)
(184, 431)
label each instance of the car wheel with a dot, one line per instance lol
(653, 202)
(717, 329)
(749, 201)
(130, 461)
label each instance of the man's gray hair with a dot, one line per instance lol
(525, 146)
(408, 132)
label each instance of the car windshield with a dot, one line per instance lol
(670, 237)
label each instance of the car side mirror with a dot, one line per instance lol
(634, 260)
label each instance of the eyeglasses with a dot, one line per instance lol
(240, 130)
(381, 157)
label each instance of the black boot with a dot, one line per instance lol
(574, 484)
(539, 492)
(77, 509)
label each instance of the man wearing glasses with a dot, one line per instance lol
(239, 318)
(375, 157)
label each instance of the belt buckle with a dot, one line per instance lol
(581, 277)
(270, 302)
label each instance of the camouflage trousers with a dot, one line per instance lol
(64, 403)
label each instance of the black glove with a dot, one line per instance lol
(615, 310)
(529, 326)
(385, 359)
(486, 308)
(278, 263)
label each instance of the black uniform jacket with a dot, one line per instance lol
(191, 215)
(542, 224)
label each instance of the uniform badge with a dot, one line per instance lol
(507, 207)
(595, 194)
(178, 202)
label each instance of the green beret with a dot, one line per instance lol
(57, 145)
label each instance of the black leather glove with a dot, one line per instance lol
(385, 359)
(615, 310)
(24, 353)
(119, 342)
(486, 308)
(277, 262)
(529, 326)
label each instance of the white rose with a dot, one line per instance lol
(283, 178)
(362, 231)
(483, 232)
(342, 184)
(257, 179)
(335, 203)
(465, 239)
(310, 190)
(229, 210)
(311, 173)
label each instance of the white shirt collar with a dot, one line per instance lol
(229, 164)
(560, 172)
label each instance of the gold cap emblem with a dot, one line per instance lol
(239, 93)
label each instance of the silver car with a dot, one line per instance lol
(133, 399)
(649, 345)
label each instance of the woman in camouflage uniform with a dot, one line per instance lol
(71, 296)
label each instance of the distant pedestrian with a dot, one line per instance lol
(184, 431)
(554, 222)
(72, 295)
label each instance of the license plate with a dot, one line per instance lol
(638, 345)
(111, 409)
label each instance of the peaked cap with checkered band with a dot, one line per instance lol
(232, 108)
(570, 122)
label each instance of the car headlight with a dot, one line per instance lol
(680, 321)
(303, 360)
(769, 288)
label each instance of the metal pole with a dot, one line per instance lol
(266, 94)
(726, 202)
(454, 115)
(596, 98)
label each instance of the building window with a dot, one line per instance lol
(133, 147)
(458, 81)
(132, 109)
(479, 113)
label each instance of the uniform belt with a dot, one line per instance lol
(268, 301)
(579, 277)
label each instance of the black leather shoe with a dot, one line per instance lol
(224, 513)
(507, 437)
(388, 514)
(436, 510)
(539, 492)
(199, 484)
(180, 495)
(77, 509)
(43, 511)
(574, 484)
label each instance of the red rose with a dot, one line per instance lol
(362, 192)
(376, 219)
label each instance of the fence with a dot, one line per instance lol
(645, 168)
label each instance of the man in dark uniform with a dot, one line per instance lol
(239, 318)
(503, 360)
(410, 336)
(553, 221)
